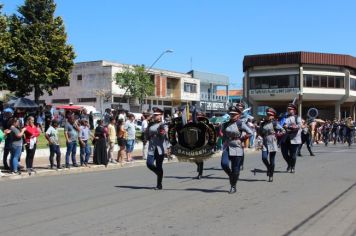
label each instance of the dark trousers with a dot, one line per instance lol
(326, 138)
(269, 164)
(334, 136)
(306, 138)
(349, 134)
(289, 152)
(54, 149)
(30, 154)
(157, 169)
(234, 171)
(7, 151)
(200, 167)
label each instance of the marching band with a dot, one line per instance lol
(272, 135)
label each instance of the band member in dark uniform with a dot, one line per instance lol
(306, 137)
(241, 106)
(158, 145)
(269, 129)
(325, 130)
(234, 133)
(334, 130)
(349, 126)
(292, 139)
(200, 164)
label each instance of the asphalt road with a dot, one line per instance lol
(319, 199)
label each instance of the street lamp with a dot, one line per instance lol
(164, 52)
(149, 68)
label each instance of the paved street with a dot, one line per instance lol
(319, 199)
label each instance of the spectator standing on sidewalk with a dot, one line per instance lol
(71, 130)
(131, 135)
(121, 140)
(111, 139)
(48, 116)
(100, 152)
(2, 137)
(7, 148)
(84, 136)
(53, 143)
(40, 119)
(31, 135)
(16, 136)
(91, 120)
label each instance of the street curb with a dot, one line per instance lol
(92, 168)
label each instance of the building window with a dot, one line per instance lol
(120, 100)
(331, 82)
(86, 99)
(154, 102)
(63, 101)
(353, 84)
(308, 80)
(190, 88)
(273, 82)
(167, 103)
(316, 81)
(323, 81)
(339, 82)
(160, 102)
(79, 77)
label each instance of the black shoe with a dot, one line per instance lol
(288, 169)
(198, 177)
(58, 167)
(312, 154)
(75, 165)
(158, 187)
(292, 170)
(299, 154)
(270, 179)
(67, 166)
(232, 190)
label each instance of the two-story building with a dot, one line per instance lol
(92, 83)
(321, 80)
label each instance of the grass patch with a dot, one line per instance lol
(43, 143)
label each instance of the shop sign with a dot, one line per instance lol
(274, 91)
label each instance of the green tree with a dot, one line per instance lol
(43, 60)
(136, 81)
(5, 48)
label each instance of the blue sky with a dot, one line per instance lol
(206, 35)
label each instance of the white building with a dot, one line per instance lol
(91, 83)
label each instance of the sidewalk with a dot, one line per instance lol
(42, 166)
(41, 163)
